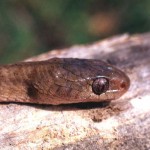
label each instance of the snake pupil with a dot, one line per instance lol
(100, 85)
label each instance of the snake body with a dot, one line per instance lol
(61, 81)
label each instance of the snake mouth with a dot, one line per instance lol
(112, 91)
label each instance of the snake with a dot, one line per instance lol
(61, 81)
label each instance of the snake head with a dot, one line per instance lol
(84, 80)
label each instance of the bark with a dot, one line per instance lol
(122, 124)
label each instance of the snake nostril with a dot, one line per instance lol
(123, 85)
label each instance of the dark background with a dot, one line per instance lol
(31, 27)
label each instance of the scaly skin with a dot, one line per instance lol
(59, 81)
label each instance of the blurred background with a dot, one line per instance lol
(29, 27)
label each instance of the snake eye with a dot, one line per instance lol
(100, 85)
